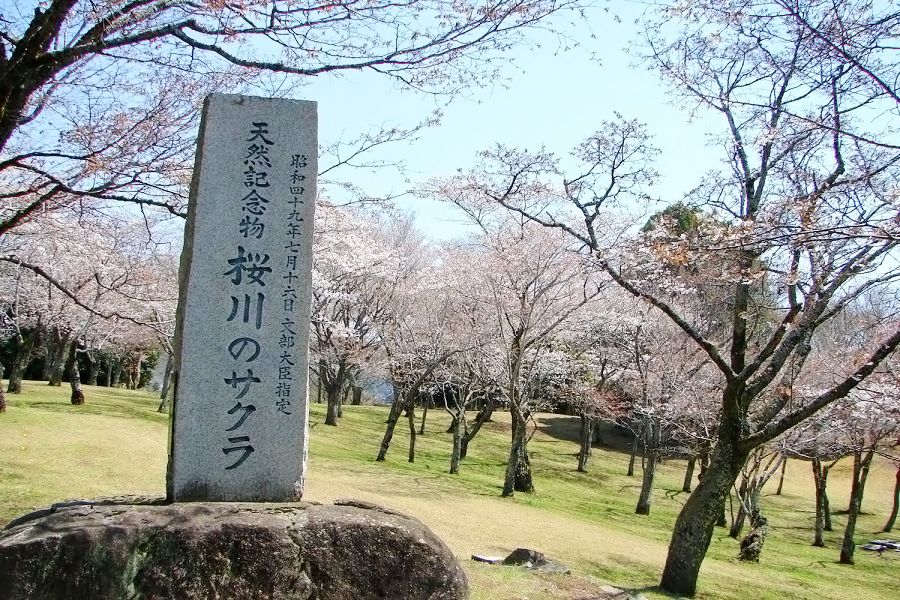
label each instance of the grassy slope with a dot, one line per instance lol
(116, 443)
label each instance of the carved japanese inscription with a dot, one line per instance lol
(239, 423)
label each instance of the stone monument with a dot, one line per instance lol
(239, 421)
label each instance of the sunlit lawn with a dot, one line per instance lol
(116, 444)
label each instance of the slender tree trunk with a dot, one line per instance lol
(393, 417)
(425, 402)
(781, 477)
(2, 396)
(167, 376)
(586, 438)
(25, 344)
(651, 457)
(893, 517)
(861, 463)
(823, 512)
(483, 416)
(737, 524)
(689, 474)
(411, 419)
(695, 523)
(459, 422)
(635, 444)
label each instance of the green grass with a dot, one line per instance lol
(116, 444)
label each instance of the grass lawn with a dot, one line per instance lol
(116, 444)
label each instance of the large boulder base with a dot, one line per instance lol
(105, 550)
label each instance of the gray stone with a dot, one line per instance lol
(240, 415)
(236, 551)
(532, 559)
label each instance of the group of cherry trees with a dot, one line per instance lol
(82, 292)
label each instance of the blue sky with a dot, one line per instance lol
(552, 98)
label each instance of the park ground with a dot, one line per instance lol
(116, 444)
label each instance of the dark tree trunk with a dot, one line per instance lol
(2, 396)
(393, 417)
(635, 444)
(356, 395)
(483, 416)
(651, 457)
(77, 396)
(115, 371)
(586, 438)
(333, 397)
(893, 517)
(823, 512)
(167, 378)
(459, 424)
(781, 477)
(90, 377)
(737, 524)
(689, 474)
(518, 467)
(411, 419)
(695, 523)
(861, 463)
(425, 404)
(57, 351)
(25, 344)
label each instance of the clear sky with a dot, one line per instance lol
(553, 98)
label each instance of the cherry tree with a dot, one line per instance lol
(527, 284)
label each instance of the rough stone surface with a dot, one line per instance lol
(532, 559)
(222, 551)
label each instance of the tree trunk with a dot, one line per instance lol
(861, 463)
(518, 467)
(57, 350)
(393, 417)
(823, 517)
(459, 422)
(695, 523)
(751, 545)
(689, 474)
(737, 524)
(333, 397)
(634, 450)
(651, 457)
(483, 416)
(425, 403)
(90, 357)
(649, 463)
(891, 519)
(77, 396)
(411, 419)
(586, 437)
(25, 344)
(781, 477)
(115, 371)
(2, 396)
(167, 377)
(356, 395)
